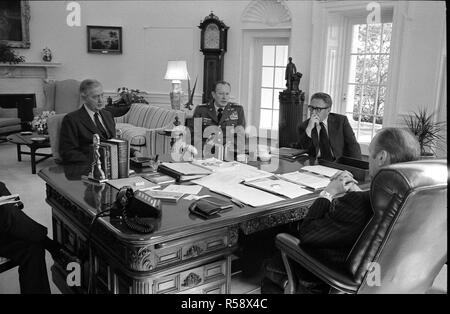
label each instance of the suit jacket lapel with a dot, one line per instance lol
(212, 111)
(108, 124)
(86, 120)
(332, 132)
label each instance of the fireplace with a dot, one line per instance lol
(25, 103)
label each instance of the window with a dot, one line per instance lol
(273, 66)
(367, 78)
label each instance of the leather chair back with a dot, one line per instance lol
(407, 236)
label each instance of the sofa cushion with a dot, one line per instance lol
(133, 134)
(9, 121)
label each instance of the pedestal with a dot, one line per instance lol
(291, 115)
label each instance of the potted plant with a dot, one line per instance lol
(129, 96)
(8, 55)
(428, 131)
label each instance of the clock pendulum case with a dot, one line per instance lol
(213, 45)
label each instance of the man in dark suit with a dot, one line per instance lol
(220, 117)
(333, 224)
(78, 127)
(327, 135)
(24, 241)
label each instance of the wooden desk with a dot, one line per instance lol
(185, 254)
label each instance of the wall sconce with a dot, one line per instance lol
(176, 71)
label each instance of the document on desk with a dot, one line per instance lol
(185, 189)
(215, 164)
(306, 179)
(229, 185)
(278, 186)
(186, 168)
(322, 170)
(233, 175)
(136, 182)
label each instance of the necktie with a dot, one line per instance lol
(219, 115)
(103, 132)
(324, 144)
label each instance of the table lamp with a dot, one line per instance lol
(176, 71)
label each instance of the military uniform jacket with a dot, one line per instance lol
(232, 116)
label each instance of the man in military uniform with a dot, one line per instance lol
(219, 118)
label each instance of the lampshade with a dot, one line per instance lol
(176, 70)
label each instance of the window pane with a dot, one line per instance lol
(358, 38)
(356, 69)
(384, 59)
(267, 77)
(371, 72)
(373, 38)
(268, 55)
(281, 55)
(266, 98)
(368, 103)
(280, 82)
(276, 99)
(380, 109)
(356, 101)
(386, 39)
(275, 120)
(265, 121)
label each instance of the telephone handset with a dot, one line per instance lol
(134, 207)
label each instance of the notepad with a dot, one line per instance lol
(185, 189)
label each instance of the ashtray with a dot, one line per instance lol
(38, 139)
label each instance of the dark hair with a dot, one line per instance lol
(221, 83)
(88, 84)
(324, 96)
(401, 144)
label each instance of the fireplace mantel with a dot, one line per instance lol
(27, 70)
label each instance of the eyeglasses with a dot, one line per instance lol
(318, 109)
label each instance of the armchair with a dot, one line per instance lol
(404, 244)
(61, 96)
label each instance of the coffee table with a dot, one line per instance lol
(20, 139)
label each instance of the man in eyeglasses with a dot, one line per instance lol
(327, 135)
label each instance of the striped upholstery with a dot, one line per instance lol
(140, 127)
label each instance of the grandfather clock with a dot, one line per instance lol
(213, 45)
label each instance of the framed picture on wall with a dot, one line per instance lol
(104, 39)
(14, 23)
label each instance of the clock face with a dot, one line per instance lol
(212, 37)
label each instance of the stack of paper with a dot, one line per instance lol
(136, 183)
(322, 170)
(306, 179)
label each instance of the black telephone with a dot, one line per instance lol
(135, 208)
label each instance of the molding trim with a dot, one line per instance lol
(269, 13)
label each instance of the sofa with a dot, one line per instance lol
(9, 121)
(142, 126)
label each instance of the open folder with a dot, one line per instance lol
(278, 186)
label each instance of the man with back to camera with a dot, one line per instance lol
(79, 126)
(220, 112)
(333, 225)
(24, 241)
(327, 135)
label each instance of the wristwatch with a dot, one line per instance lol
(326, 195)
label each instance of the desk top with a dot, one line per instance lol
(91, 198)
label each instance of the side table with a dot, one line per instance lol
(20, 139)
